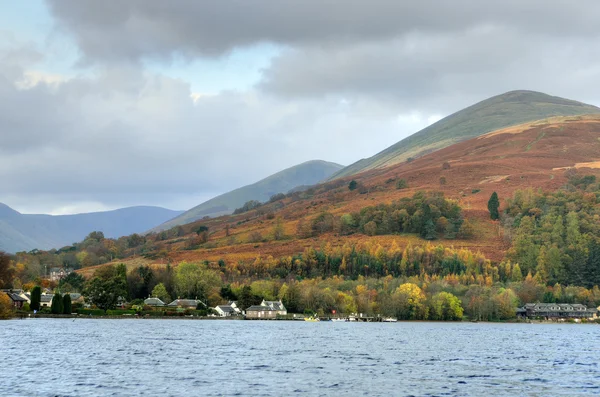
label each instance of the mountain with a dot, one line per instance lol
(24, 232)
(511, 108)
(307, 173)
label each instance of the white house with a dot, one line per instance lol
(275, 305)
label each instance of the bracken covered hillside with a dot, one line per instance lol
(532, 155)
(511, 108)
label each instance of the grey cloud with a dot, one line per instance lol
(128, 137)
(116, 31)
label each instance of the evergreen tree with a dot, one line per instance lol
(36, 297)
(67, 306)
(57, 304)
(352, 185)
(493, 205)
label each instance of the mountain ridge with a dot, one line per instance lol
(24, 232)
(475, 120)
(307, 173)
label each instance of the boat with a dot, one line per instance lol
(339, 319)
(312, 319)
(389, 320)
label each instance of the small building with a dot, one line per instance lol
(555, 311)
(46, 300)
(58, 273)
(17, 300)
(186, 303)
(155, 302)
(224, 310)
(276, 305)
(261, 312)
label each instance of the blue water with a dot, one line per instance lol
(135, 357)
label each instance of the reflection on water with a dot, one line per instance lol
(87, 357)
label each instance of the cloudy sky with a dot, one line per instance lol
(152, 102)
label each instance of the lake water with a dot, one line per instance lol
(87, 357)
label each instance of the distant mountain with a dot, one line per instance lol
(307, 173)
(511, 108)
(24, 232)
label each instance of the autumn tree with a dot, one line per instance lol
(161, 293)
(409, 302)
(108, 284)
(445, 307)
(278, 230)
(6, 307)
(195, 281)
(6, 271)
(493, 205)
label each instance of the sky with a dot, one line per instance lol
(146, 102)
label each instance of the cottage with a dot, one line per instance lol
(261, 312)
(46, 300)
(235, 307)
(186, 303)
(58, 273)
(276, 305)
(225, 310)
(16, 299)
(155, 302)
(551, 311)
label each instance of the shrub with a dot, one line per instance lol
(401, 184)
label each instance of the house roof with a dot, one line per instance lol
(259, 308)
(154, 302)
(226, 308)
(185, 302)
(16, 297)
(46, 298)
(555, 307)
(277, 305)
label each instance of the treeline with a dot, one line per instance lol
(418, 297)
(428, 214)
(557, 235)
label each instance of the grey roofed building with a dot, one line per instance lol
(276, 305)
(188, 303)
(17, 300)
(225, 310)
(46, 300)
(154, 302)
(556, 310)
(260, 311)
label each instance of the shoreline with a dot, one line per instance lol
(197, 318)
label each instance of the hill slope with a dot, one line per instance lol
(307, 173)
(511, 108)
(24, 232)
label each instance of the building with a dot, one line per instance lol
(261, 312)
(46, 300)
(58, 273)
(276, 305)
(17, 300)
(155, 302)
(186, 303)
(225, 310)
(554, 311)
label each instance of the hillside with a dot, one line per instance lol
(24, 232)
(531, 155)
(307, 173)
(511, 108)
